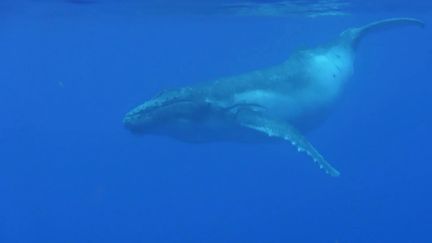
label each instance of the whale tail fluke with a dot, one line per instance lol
(354, 35)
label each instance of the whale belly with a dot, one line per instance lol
(324, 76)
(329, 70)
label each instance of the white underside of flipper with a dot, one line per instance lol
(277, 129)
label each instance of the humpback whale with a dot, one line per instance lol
(277, 103)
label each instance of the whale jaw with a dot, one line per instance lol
(166, 109)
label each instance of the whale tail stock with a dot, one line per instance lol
(354, 35)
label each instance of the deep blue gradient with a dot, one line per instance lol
(69, 171)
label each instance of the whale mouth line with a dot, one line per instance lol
(145, 108)
(157, 113)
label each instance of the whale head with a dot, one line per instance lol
(169, 112)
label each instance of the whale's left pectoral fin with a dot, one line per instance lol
(282, 130)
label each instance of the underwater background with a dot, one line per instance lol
(70, 172)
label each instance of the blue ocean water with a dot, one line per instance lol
(70, 172)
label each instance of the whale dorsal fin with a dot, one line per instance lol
(354, 35)
(282, 130)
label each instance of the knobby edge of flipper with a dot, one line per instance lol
(354, 35)
(282, 130)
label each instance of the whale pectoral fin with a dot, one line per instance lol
(274, 128)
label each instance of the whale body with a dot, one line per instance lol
(278, 103)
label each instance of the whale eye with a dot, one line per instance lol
(334, 75)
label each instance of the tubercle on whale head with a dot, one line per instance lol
(169, 108)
